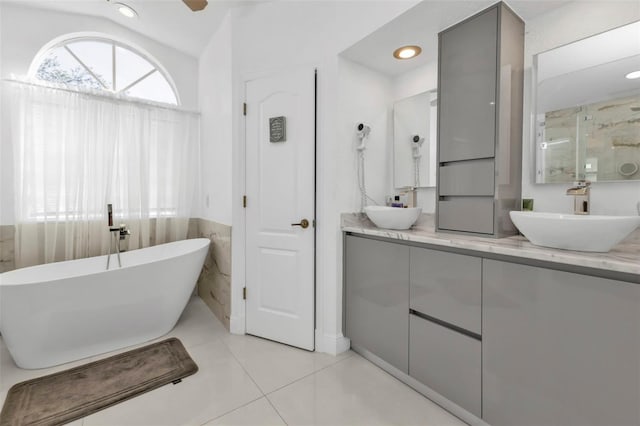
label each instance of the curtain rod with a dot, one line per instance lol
(105, 96)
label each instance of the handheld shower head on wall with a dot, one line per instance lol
(362, 131)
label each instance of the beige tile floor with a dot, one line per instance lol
(245, 380)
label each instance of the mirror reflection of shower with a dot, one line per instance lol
(416, 144)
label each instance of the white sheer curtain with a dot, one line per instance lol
(74, 153)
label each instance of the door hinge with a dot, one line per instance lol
(244, 108)
(244, 201)
(244, 293)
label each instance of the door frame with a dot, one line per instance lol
(238, 320)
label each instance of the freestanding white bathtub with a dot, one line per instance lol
(59, 312)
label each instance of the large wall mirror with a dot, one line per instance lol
(414, 140)
(588, 109)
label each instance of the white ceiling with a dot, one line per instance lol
(420, 26)
(170, 22)
(593, 84)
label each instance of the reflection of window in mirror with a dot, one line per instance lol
(414, 140)
(588, 109)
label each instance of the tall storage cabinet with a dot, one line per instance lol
(480, 73)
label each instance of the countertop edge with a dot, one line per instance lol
(493, 246)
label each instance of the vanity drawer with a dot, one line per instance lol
(448, 362)
(473, 214)
(467, 178)
(446, 286)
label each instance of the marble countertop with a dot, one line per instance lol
(625, 257)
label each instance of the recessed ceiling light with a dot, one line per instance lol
(407, 52)
(633, 75)
(126, 10)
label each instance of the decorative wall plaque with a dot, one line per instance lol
(278, 129)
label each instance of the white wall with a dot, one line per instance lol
(572, 22)
(216, 98)
(408, 84)
(24, 31)
(281, 35)
(5, 172)
(368, 95)
(365, 95)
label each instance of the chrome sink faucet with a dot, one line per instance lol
(581, 196)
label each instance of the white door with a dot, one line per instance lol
(280, 189)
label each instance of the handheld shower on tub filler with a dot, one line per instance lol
(117, 233)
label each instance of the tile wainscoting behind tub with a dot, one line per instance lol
(214, 284)
(7, 258)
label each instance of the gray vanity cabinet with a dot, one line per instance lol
(559, 348)
(447, 286)
(447, 361)
(480, 84)
(445, 325)
(377, 298)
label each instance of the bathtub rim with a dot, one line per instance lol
(204, 242)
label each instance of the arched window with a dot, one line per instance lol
(100, 63)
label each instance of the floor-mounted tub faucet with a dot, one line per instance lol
(581, 196)
(118, 233)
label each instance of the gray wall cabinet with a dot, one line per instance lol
(377, 298)
(559, 348)
(480, 84)
(510, 342)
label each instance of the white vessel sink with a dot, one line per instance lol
(574, 232)
(393, 217)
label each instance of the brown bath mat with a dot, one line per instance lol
(71, 394)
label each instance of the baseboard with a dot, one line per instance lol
(332, 344)
(237, 324)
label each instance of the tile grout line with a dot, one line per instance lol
(232, 410)
(297, 380)
(307, 375)
(263, 395)
(276, 410)
(242, 366)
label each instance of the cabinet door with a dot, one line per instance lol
(469, 214)
(467, 89)
(446, 286)
(559, 348)
(377, 298)
(467, 178)
(446, 361)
